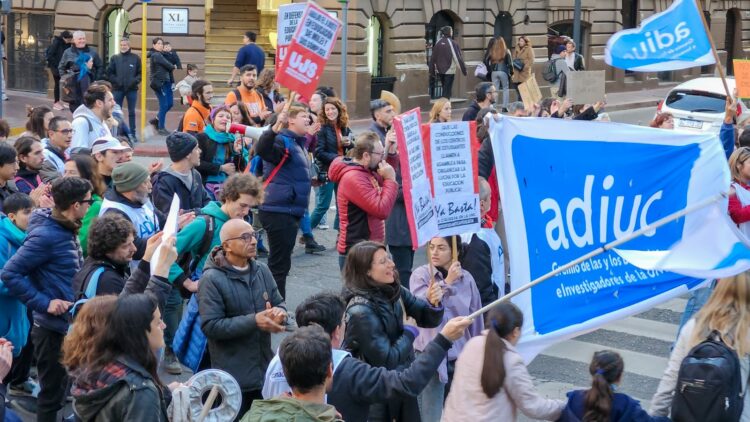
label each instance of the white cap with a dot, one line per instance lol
(106, 143)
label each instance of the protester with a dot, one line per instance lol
(491, 380)
(316, 111)
(367, 192)
(561, 70)
(377, 306)
(38, 123)
(160, 83)
(382, 116)
(517, 109)
(198, 114)
(602, 401)
(83, 67)
(524, 54)
(181, 178)
(739, 191)
(441, 111)
(89, 121)
(185, 86)
(501, 69)
(663, 121)
(53, 55)
(334, 140)
(726, 313)
(247, 94)
(241, 115)
(460, 298)
(573, 59)
(108, 153)
(60, 136)
(268, 88)
(83, 166)
(30, 159)
(40, 275)
(248, 54)
(77, 48)
(286, 173)
(240, 306)
(124, 72)
(222, 154)
(485, 95)
(8, 170)
(6, 359)
(445, 60)
(726, 132)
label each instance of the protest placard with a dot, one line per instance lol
(289, 18)
(452, 164)
(530, 93)
(585, 87)
(742, 77)
(309, 50)
(420, 209)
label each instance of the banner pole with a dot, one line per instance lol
(719, 67)
(454, 249)
(611, 245)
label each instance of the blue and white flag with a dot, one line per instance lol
(717, 249)
(670, 40)
(569, 187)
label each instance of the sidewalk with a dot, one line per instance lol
(14, 112)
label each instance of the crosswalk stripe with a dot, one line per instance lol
(674, 305)
(645, 327)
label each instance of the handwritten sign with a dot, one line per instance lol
(309, 50)
(289, 18)
(455, 184)
(585, 87)
(420, 209)
(530, 93)
(742, 77)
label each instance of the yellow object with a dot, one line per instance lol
(272, 38)
(144, 79)
(391, 99)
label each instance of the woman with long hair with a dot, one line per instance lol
(501, 68)
(268, 89)
(160, 82)
(726, 311)
(491, 382)
(381, 316)
(82, 345)
(222, 154)
(83, 166)
(441, 111)
(524, 53)
(739, 191)
(334, 140)
(120, 381)
(460, 297)
(602, 402)
(38, 122)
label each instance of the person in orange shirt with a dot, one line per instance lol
(249, 95)
(194, 120)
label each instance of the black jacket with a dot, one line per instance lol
(124, 71)
(471, 112)
(578, 62)
(139, 281)
(166, 184)
(111, 281)
(70, 55)
(486, 159)
(478, 262)
(160, 69)
(55, 52)
(228, 300)
(328, 145)
(356, 385)
(207, 167)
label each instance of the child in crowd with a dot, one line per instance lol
(185, 86)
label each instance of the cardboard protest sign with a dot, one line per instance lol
(585, 87)
(742, 77)
(530, 93)
(290, 16)
(309, 50)
(452, 166)
(420, 209)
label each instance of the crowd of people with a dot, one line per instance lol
(89, 303)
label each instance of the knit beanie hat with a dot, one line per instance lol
(180, 145)
(128, 176)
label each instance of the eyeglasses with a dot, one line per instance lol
(378, 153)
(66, 131)
(87, 201)
(246, 237)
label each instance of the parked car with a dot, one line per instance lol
(698, 105)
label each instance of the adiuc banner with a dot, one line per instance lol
(670, 40)
(569, 187)
(309, 50)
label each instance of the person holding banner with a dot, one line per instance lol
(460, 297)
(381, 318)
(492, 382)
(441, 111)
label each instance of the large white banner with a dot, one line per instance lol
(569, 187)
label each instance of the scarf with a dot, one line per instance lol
(218, 137)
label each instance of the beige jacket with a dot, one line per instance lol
(467, 402)
(526, 54)
(661, 403)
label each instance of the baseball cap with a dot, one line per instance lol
(107, 143)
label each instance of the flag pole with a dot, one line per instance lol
(611, 245)
(719, 67)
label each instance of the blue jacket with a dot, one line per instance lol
(43, 267)
(289, 190)
(726, 135)
(624, 409)
(14, 325)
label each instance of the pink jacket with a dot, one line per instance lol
(467, 402)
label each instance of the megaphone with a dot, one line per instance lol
(247, 131)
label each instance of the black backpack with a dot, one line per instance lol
(69, 87)
(709, 384)
(549, 71)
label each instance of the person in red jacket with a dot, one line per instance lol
(367, 190)
(739, 191)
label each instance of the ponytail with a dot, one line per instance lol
(503, 318)
(606, 369)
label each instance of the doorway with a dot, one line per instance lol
(116, 27)
(504, 28)
(432, 36)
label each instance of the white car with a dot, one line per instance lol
(699, 104)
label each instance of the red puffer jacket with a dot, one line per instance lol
(364, 200)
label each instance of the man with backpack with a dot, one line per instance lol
(196, 116)
(555, 71)
(52, 55)
(89, 121)
(247, 94)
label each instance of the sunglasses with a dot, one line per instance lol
(87, 201)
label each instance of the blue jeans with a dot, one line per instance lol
(304, 225)
(172, 315)
(323, 201)
(164, 95)
(132, 97)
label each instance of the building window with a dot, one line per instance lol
(29, 37)
(115, 29)
(375, 47)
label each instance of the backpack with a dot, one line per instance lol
(89, 292)
(69, 87)
(549, 72)
(709, 385)
(257, 162)
(189, 261)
